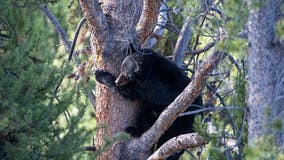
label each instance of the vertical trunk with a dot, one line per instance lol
(112, 110)
(262, 62)
(112, 24)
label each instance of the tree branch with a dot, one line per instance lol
(96, 20)
(59, 29)
(182, 43)
(206, 48)
(210, 109)
(176, 144)
(159, 28)
(148, 19)
(82, 21)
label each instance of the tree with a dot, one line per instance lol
(264, 58)
(111, 32)
(208, 39)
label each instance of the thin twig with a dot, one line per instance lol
(231, 58)
(206, 48)
(211, 109)
(82, 21)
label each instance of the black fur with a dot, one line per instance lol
(156, 82)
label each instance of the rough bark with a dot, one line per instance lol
(182, 43)
(139, 147)
(148, 20)
(172, 146)
(262, 62)
(112, 24)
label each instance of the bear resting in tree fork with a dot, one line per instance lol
(152, 79)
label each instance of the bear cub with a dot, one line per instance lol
(155, 81)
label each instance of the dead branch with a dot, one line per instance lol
(82, 21)
(59, 29)
(211, 109)
(182, 43)
(176, 144)
(87, 51)
(92, 98)
(171, 27)
(148, 19)
(231, 58)
(180, 104)
(206, 48)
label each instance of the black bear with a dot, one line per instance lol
(155, 81)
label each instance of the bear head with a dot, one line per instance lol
(130, 69)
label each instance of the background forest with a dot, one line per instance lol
(48, 103)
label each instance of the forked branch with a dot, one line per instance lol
(96, 19)
(148, 19)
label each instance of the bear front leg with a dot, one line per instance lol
(104, 77)
(129, 91)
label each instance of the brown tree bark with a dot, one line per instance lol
(262, 62)
(184, 141)
(112, 24)
(148, 20)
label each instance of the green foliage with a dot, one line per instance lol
(37, 119)
(215, 150)
(279, 28)
(264, 149)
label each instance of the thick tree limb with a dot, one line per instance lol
(112, 25)
(148, 19)
(159, 28)
(180, 104)
(176, 144)
(182, 43)
(96, 20)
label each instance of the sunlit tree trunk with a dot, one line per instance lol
(263, 60)
(112, 24)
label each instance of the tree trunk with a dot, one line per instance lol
(112, 25)
(262, 62)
